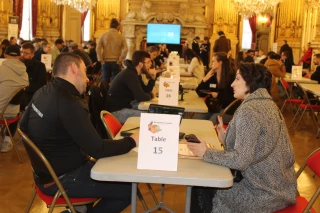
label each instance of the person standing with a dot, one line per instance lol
(205, 52)
(222, 44)
(286, 48)
(13, 76)
(195, 45)
(111, 50)
(306, 58)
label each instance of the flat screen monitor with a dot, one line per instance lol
(163, 109)
(163, 33)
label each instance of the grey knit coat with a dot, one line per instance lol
(270, 184)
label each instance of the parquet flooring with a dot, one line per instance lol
(16, 179)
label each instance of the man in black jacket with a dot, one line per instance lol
(126, 88)
(57, 121)
(36, 72)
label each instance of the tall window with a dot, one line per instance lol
(26, 28)
(86, 27)
(246, 35)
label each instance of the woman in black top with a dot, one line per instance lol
(216, 86)
(205, 52)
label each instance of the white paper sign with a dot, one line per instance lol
(174, 71)
(296, 72)
(46, 59)
(13, 30)
(168, 91)
(174, 59)
(275, 47)
(158, 142)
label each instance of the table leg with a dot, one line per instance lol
(134, 198)
(188, 199)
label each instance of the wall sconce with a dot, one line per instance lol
(263, 19)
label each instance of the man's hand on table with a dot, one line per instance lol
(135, 137)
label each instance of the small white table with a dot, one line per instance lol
(191, 172)
(313, 88)
(301, 80)
(192, 103)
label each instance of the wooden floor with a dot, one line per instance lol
(16, 179)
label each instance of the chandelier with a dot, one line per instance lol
(80, 5)
(248, 8)
(312, 4)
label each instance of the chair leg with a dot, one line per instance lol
(152, 193)
(294, 118)
(298, 121)
(14, 146)
(142, 200)
(31, 201)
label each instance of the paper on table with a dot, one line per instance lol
(184, 151)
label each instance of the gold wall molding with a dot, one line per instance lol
(104, 12)
(48, 22)
(225, 18)
(6, 10)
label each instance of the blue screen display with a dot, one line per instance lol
(163, 33)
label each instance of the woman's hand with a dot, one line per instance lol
(153, 73)
(198, 149)
(209, 75)
(220, 129)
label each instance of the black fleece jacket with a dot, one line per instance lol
(57, 121)
(126, 87)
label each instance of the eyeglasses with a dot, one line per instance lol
(147, 62)
(24, 53)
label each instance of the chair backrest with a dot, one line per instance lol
(15, 95)
(286, 87)
(312, 162)
(111, 123)
(232, 107)
(36, 157)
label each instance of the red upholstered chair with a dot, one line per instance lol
(289, 99)
(111, 123)
(113, 126)
(302, 205)
(61, 198)
(4, 122)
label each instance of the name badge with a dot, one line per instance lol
(213, 85)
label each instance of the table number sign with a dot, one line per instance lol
(46, 59)
(158, 142)
(296, 72)
(168, 91)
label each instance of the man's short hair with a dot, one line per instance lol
(250, 51)
(28, 45)
(152, 49)
(12, 50)
(73, 45)
(139, 56)
(59, 41)
(197, 38)
(317, 55)
(92, 43)
(285, 41)
(63, 61)
(12, 37)
(220, 33)
(114, 23)
(44, 45)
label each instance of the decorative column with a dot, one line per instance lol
(225, 18)
(129, 33)
(5, 12)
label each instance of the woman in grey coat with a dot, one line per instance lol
(257, 144)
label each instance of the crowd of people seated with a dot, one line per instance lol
(251, 145)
